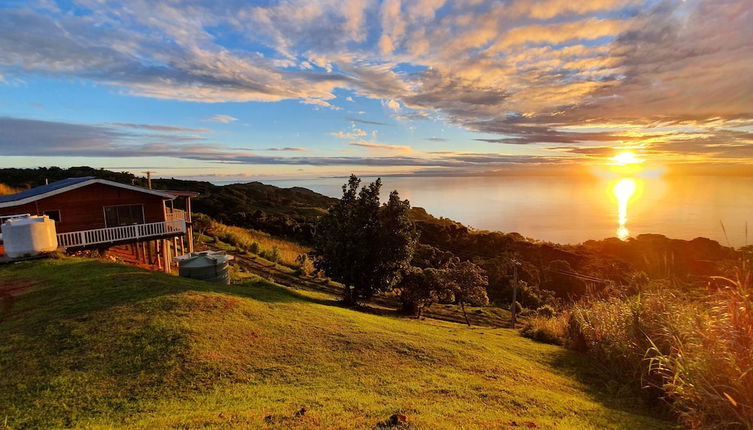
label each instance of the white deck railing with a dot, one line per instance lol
(117, 234)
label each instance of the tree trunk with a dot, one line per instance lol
(411, 308)
(349, 297)
(462, 306)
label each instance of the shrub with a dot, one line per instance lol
(546, 311)
(272, 254)
(693, 353)
(545, 329)
(518, 307)
(707, 374)
(247, 240)
(305, 265)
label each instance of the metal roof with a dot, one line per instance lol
(61, 186)
(44, 189)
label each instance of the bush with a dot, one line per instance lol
(546, 311)
(305, 265)
(272, 254)
(693, 353)
(518, 308)
(546, 330)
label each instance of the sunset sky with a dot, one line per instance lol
(234, 89)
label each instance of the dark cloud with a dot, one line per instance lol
(162, 128)
(287, 149)
(363, 121)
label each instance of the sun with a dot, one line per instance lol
(626, 158)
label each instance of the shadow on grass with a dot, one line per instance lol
(602, 385)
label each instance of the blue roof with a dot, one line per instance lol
(44, 189)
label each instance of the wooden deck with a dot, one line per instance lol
(85, 238)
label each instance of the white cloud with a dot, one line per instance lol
(225, 119)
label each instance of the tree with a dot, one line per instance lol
(468, 283)
(363, 245)
(422, 287)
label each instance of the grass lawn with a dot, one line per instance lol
(88, 344)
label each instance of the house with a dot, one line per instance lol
(93, 213)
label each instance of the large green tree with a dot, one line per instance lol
(362, 244)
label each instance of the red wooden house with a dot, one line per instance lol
(93, 213)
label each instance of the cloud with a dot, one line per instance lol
(381, 146)
(392, 104)
(320, 102)
(225, 119)
(162, 128)
(354, 133)
(288, 149)
(517, 72)
(363, 121)
(29, 137)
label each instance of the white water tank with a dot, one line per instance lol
(29, 236)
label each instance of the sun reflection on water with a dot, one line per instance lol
(627, 166)
(623, 190)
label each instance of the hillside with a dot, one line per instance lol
(94, 345)
(288, 212)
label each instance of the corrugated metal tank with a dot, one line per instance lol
(211, 266)
(29, 236)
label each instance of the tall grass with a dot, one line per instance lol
(253, 241)
(6, 189)
(695, 352)
(707, 373)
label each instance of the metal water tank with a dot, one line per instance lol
(29, 236)
(211, 266)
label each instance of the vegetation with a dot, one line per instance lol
(290, 213)
(365, 246)
(87, 344)
(5, 190)
(258, 243)
(691, 348)
(643, 309)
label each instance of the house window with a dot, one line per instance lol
(116, 216)
(54, 215)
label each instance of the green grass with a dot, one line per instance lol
(96, 345)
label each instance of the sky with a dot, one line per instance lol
(234, 89)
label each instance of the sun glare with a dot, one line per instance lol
(624, 189)
(625, 158)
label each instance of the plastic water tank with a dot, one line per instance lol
(207, 265)
(29, 236)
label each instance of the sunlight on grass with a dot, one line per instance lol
(117, 347)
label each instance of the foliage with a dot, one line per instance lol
(272, 254)
(95, 345)
(286, 212)
(293, 213)
(420, 288)
(546, 311)
(460, 282)
(273, 249)
(707, 374)
(5, 190)
(695, 352)
(305, 265)
(362, 245)
(545, 329)
(467, 283)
